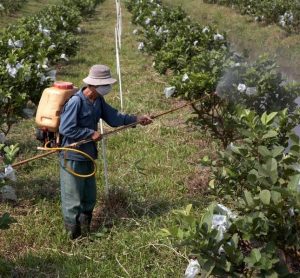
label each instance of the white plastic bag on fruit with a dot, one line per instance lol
(185, 77)
(193, 269)
(221, 220)
(169, 91)
(225, 211)
(10, 173)
(141, 46)
(220, 223)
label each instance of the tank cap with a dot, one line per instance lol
(63, 85)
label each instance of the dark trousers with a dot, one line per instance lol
(78, 195)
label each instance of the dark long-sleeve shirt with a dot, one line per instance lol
(79, 120)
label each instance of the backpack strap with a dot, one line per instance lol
(68, 101)
(60, 135)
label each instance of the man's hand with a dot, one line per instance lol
(144, 119)
(96, 136)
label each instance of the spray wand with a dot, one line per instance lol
(72, 147)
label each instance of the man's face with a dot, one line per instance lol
(93, 95)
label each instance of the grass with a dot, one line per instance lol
(149, 173)
(29, 8)
(247, 36)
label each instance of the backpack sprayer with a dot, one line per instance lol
(49, 110)
(48, 118)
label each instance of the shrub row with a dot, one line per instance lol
(285, 13)
(10, 6)
(30, 48)
(7, 156)
(253, 115)
(199, 61)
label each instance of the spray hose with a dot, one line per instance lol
(72, 147)
(69, 148)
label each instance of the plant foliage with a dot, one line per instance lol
(251, 109)
(11, 6)
(285, 13)
(29, 50)
(199, 62)
(7, 156)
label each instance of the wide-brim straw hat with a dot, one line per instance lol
(99, 75)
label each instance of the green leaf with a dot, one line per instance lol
(255, 254)
(235, 241)
(206, 219)
(271, 169)
(171, 231)
(211, 183)
(180, 234)
(227, 266)
(272, 274)
(252, 176)
(265, 196)
(249, 198)
(165, 232)
(235, 149)
(208, 267)
(277, 150)
(294, 182)
(276, 197)
(188, 209)
(263, 118)
(206, 161)
(6, 220)
(263, 150)
(271, 116)
(295, 150)
(270, 134)
(295, 139)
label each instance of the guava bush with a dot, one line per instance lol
(29, 51)
(258, 177)
(10, 6)
(7, 157)
(85, 7)
(285, 13)
(250, 108)
(199, 62)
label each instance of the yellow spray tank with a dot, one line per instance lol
(49, 109)
(51, 104)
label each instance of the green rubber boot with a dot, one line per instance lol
(73, 230)
(85, 223)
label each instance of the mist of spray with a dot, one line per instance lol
(234, 89)
(226, 84)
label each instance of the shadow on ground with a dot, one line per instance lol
(123, 205)
(48, 265)
(35, 188)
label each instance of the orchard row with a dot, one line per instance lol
(285, 13)
(29, 51)
(10, 6)
(252, 113)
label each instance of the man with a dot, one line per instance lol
(79, 120)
